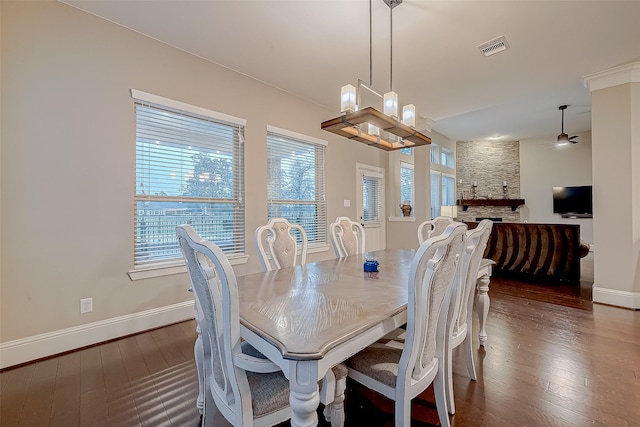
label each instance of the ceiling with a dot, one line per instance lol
(311, 48)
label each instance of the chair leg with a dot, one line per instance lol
(468, 354)
(209, 410)
(448, 381)
(327, 393)
(441, 402)
(337, 407)
(327, 412)
(334, 412)
(199, 356)
(402, 410)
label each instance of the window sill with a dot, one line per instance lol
(312, 249)
(402, 219)
(167, 269)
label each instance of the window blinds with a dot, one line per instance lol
(296, 181)
(448, 190)
(434, 153)
(371, 200)
(435, 194)
(189, 170)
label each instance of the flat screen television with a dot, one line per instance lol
(573, 201)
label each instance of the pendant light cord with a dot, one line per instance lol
(391, 46)
(370, 47)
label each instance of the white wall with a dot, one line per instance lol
(543, 165)
(403, 233)
(68, 166)
(616, 160)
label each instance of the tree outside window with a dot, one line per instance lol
(189, 170)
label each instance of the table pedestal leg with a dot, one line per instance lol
(304, 397)
(303, 406)
(483, 303)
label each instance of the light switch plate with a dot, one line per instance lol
(347, 203)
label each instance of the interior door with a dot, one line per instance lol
(370, 205)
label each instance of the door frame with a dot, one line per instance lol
(375, 235)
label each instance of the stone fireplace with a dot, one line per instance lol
(482, 170)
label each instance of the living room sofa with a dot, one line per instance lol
(548, 253)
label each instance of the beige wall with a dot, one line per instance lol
(68, 161)
(544, 165)
(1, 134)
(403, 234)
(616, 147)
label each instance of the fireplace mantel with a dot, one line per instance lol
(512, 203)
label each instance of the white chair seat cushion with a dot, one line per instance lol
(378, 361)
(269, 392)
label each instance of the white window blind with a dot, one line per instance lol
(371, 200)
(296, 181)
(448, 190)
(435, 194)
(189, 170)
(435, 153)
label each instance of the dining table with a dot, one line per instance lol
(311, 317)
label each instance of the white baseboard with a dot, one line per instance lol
(615, 297)
(43, 345)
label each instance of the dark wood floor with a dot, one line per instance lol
(553, 359)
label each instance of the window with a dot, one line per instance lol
(407, 150)
(296, 181)
(189, 170)
(435, 153)
(406, 184)
(371, 200)
(435, 194)
(448, 159)
(448, 190)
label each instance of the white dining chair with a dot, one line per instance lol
(347, 237)
(461, 306)
(433, 227)
(246, 390)
(401, 371)
(277, 244)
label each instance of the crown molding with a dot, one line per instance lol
(628, 73)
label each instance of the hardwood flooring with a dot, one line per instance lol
(552, 359)
(147, 379)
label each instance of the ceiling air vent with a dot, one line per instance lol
(494, 46)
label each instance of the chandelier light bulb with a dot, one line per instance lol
(348, 99)
(409, 115)
(391, 104)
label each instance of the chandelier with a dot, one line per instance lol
(368, 125)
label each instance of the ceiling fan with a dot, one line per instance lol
(563, 138)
